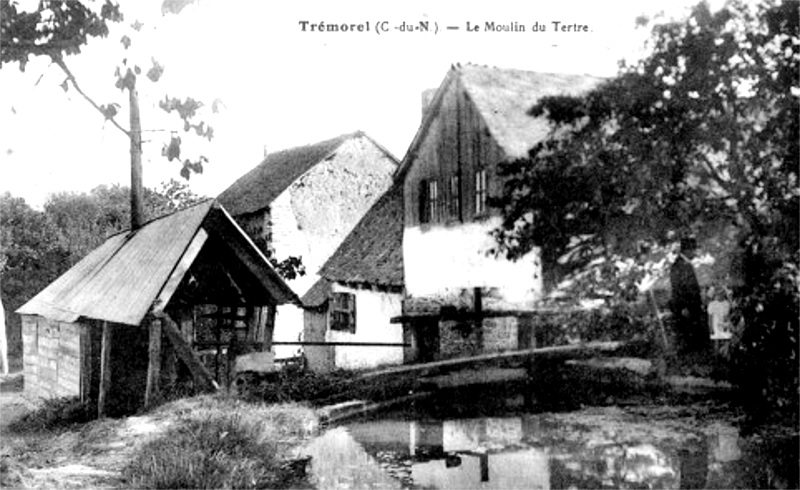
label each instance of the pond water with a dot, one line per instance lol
(652, 446)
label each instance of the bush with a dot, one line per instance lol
(290, 385)
(765, 360)
(55, 414)
(620, 322)
(222, 443)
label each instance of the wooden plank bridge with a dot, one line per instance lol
(526, 359)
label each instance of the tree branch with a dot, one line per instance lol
(60, 62)
(712, 173)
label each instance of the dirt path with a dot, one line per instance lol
(89, 457)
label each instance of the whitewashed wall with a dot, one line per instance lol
(374, 309)
(440, 259)
(313, 216)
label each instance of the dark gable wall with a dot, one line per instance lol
(457, 133)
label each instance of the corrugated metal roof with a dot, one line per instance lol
(118, 281)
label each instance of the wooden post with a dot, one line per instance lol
(105, 369)
(252, 324)
(269, 328)
(529, 398)
(218, 356)
(154, 363)
(478, 306)
(86, 362)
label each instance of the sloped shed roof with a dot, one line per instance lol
(120, 280)
(259, 187)
(373, 251)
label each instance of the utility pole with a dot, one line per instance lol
(137, 206)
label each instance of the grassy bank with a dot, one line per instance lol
(199, 442)
(217, 442)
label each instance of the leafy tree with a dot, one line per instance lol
(700, 133)
(31, 257)
(83, 221)
(56, 30)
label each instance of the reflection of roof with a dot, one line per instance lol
(120, 280)
(260, 186)
(373, 251)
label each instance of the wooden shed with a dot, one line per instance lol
(167, 305)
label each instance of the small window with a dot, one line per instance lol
(428, 201)
(433, 200)
(343, 312)
(455, 197)
(480, 191)
(424, 209)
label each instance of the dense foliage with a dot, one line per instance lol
(700, 135)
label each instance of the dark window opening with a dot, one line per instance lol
(424, 217)
(343, 312)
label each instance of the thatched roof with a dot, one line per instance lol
(373, 252)
(317, 294)
(256, 189)
(122, 280)
(503, 98)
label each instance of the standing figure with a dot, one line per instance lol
(719, 310)
(688, 314)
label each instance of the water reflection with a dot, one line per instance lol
(577, 450)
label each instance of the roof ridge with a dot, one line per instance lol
(167, 215)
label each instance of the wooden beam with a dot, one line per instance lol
(199, 372)
(350, 344)
(269, 327)
(573, 350)
(169, 369)
(151, 393)
(183, 265)
(218, 355)
(226, 316)
(252, 323)
(460, 315)
(86, 362)
(105, 369)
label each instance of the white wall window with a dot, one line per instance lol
(343, 312)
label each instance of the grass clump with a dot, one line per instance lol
(223, 443)
(55, 414)
(11, 473)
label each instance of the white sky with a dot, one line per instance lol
(281, 87)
